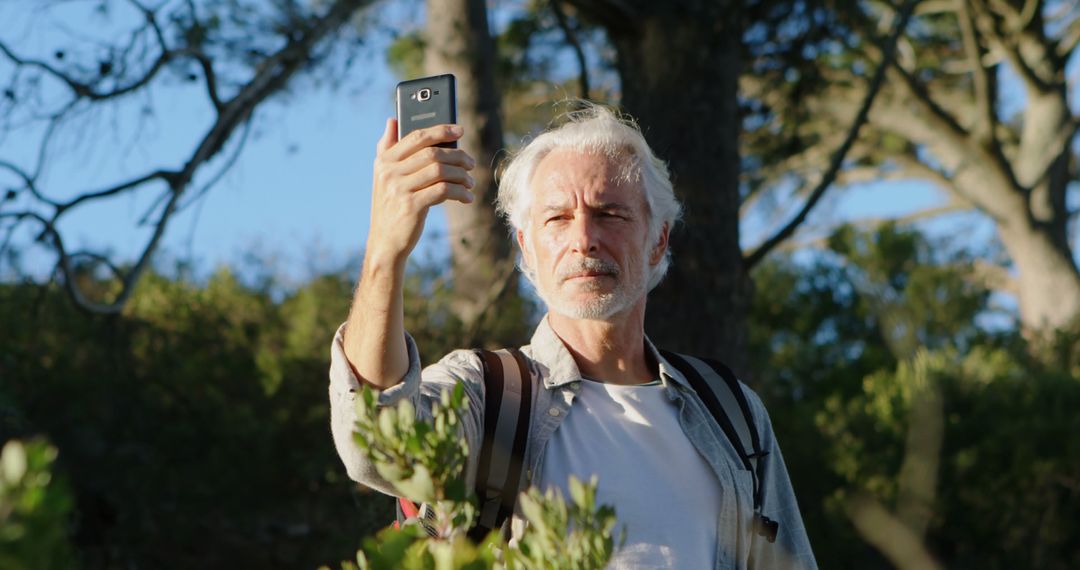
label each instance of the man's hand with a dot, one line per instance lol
(411, 176)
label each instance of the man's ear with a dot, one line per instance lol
(660, 247)
(520, 235)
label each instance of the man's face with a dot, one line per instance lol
(587, 241)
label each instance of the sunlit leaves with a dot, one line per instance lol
(424, 460)
(34, 509)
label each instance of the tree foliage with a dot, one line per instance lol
(843, 344)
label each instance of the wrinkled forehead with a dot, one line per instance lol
(567, 177)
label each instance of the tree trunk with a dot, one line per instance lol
(1037, 241)
(459, 42)
(679, 65)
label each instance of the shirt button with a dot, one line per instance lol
(553, 412)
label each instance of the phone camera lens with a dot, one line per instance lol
(423, 94)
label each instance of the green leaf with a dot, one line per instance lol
(406, 415)
(387, 420)
(13, 462)
(419, 487)
(578, 493)
(389, 471)
(533, 511)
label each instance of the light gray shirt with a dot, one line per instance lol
(559, 381)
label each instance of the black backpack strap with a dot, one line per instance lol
(507, 410)
(719, 390)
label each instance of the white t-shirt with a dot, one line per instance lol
(663, 491)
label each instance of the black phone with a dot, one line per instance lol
(426, 102)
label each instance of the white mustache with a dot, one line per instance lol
(589, 265)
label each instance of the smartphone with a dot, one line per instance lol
(426, 102)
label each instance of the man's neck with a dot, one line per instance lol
(609, 351)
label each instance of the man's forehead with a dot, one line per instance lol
(565, 174)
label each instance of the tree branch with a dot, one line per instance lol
(29, 182)
(947, 131)
(271, 76)
(86, 90)
(77, 87)
(853, 133)
(984, 125)
(942, 119)
(571, 38)
(222, 171)
(209, 77)
(165, 175)
(872, 223)
(1070, 38)
(1006, 39)
(885, 532)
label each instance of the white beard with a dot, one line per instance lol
(601, 306)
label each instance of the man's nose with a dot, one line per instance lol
(585, 234)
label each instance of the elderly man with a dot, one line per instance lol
(591, 207)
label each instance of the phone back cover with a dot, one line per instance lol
(440, 109)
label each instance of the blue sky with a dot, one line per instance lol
(299, 193)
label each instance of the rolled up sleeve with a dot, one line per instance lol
(422, 387)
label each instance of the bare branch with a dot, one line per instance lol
(884, 531)
(221, 172)
(984, 126)
(916, 168)
(209, 77)
(1006, 30)
(872, 223)
(1070, 38)
(271, 76)
(80, 89)
(995, 277)
(165, 175)
(30, 182)
(571, 38)
(86, 90)
(853, 133)
(100, 259)
(942, 119)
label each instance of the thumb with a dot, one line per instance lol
(389, 137)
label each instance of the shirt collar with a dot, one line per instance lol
(549, 351)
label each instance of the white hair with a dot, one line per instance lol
(596, 129)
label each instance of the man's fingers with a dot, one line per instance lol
(442, 191)
(439, 172)
(389, 137)
(422, 138)
(424, 157)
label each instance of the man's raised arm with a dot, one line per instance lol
(411, 176)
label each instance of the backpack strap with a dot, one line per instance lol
(408, 511)
(508, 390)
(719, 390)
